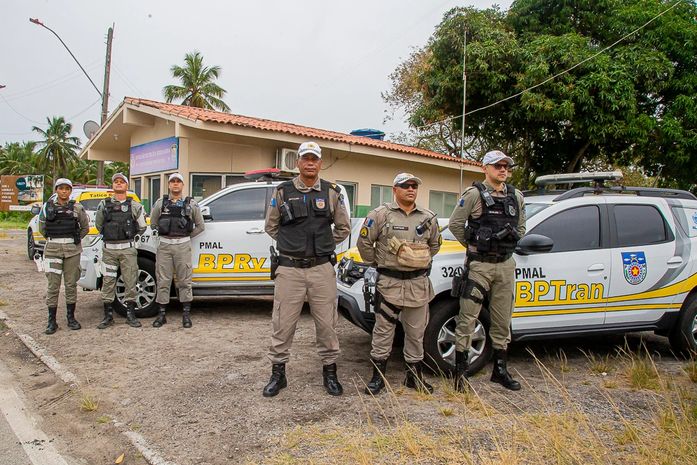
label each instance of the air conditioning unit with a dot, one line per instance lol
(287, 160)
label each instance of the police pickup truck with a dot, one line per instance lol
(594, 260)
(230, 258)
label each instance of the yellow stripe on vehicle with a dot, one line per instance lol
(231, 278)
(619, 308)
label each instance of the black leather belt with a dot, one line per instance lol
(302, 262)
(476, 257)
(402, 274)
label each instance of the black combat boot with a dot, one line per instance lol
(186, 317)
(331, 382)
(72, 322)
(415, 378)
(278, 380)
(461, 366)
(161, 319)
(131, 315)
(500, 373)
(108, 316)
(377, 382)
(52, 326)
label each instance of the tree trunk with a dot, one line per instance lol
(576, 162)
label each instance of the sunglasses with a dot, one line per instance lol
(501, 166)
(408, 185)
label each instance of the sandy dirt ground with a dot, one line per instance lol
(195, 394)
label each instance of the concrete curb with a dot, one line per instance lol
(149, 453)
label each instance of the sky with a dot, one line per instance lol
(319, 63)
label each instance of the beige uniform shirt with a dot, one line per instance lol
(68, 250)
(470, 205)
(387, 221)
(136, 209)
(340, 216)
(197, 217)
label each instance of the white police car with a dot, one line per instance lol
(231, 257)
(594, 260)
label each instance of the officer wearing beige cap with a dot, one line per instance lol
(307, 218)
(400, 239)
(176, 219)
(64, 223)
(489, 220)
(120, 219)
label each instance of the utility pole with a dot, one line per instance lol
(105, 96)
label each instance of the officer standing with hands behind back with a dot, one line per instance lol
(400, 238)
(300, 219)
(489, 220)
(176, 221)
(120, 219)
(64, 223)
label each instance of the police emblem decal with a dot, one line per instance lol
(511, 210)
(124, 208)
(694, 220)
(320, 203)
(634, 264)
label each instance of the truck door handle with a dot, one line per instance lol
(675, 262)
(255, 231)
(596, 267)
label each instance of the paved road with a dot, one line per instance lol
(21, 441)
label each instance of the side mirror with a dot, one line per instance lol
(35, 209)
(534, 243)
(206, 213)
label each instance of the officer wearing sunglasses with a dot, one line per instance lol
(489, 220)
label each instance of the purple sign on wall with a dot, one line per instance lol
(160, 155)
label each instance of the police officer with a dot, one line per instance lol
(176, 219)
(120, 219)
(64, 223)
(400, 238)
(300, 219)
(489, 220)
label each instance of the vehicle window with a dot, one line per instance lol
(90, 204)
(687, 219)
(248, 204)
(639, 225)
(531, 209)
(573, 229)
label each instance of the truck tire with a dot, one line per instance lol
(146, 291)
(31, 245)
(439, 338)
(683, 337)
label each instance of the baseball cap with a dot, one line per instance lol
(404, 177)
(176, 176)
(119, 175)
(63, 182)
(309, 148)
(496, 156)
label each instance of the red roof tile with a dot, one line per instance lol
(201, 114)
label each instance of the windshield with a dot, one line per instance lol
(532, 209)
(90, 204)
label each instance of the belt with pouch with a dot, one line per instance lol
(477, 257)
(402, 274)
(302, 262)
(62, 240)
(118, 245)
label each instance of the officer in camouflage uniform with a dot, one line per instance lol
(176, 221)
(120, 219)
(489, 220)
(400, 238)
(300, 219)
(64, 223)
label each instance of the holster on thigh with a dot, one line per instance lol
(474, 291)
(379, 302)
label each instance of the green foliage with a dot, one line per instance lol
(198, 88)
(58, 148)
(632, 105)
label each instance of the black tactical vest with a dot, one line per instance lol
(119, 224)
(61, 221)
(495, 232)
(306, 221)
(175, 220)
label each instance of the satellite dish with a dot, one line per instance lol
(90, 128)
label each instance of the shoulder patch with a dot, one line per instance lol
(368, 222)
(364, 231)
(461, 202)
(273, 202)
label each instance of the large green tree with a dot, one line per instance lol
(198, 87)
(18, 158)
(632, 104)
(57, 148)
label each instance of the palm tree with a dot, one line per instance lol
(58, 148)
(198, 88)
(18, 158)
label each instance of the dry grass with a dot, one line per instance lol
(599, 364)
(88, 403)
(690, 370)
(489, 428)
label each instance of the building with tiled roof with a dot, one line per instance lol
(213, 149)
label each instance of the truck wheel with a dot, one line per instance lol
(31, 245)
(439, 338)
(146, 290)
(683, 337)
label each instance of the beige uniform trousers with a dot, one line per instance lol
(292, 286)
(127, 260)
(499, 281)
(171, 259)
(60, 261)
(414, 321)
